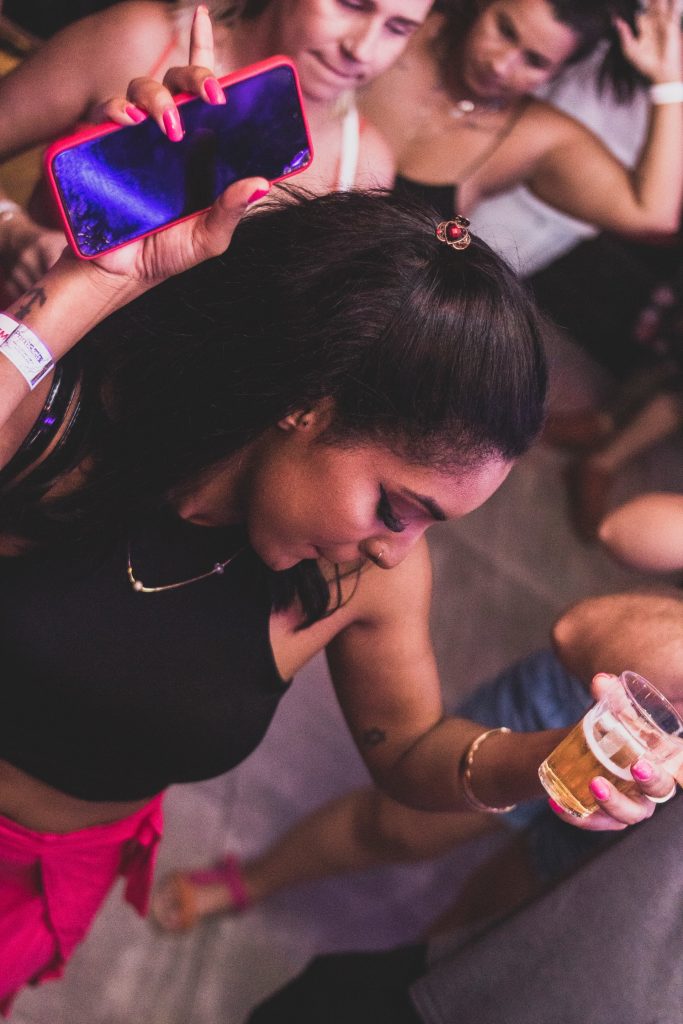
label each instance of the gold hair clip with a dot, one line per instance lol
(454, 232)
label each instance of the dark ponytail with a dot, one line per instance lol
(435, 354)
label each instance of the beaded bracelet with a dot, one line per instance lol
(466, 774)
(25, 350)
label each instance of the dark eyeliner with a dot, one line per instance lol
(507, 29)
(386, 513)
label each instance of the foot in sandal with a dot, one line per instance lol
(183, 898)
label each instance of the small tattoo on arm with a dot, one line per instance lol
(373, 737)
(32, 296)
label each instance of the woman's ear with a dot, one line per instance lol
(311, 421)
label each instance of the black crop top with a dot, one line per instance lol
(109, 694)
(442, 198)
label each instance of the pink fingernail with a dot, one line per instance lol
(258, 194)
(214, 91)
(172, 124)
(642, 770)
(599, 788)
(555, 806)
(135, 114)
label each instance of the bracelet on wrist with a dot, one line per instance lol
(25, 350)
(465, 773)
(8, 209)
(666, 92)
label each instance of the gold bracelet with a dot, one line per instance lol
(466, 774)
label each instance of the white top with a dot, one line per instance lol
(349, 150)
(529, 233)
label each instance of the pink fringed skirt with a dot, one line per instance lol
(52, 885)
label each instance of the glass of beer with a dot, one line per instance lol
(633, 719)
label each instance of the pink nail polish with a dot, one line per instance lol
(214, 91)
(172, 124)
(555, 806)
(599, 788)
(258, 194)
(642, 770)
(135, 114)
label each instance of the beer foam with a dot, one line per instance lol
(616, 738)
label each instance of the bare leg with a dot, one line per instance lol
(362, 829)
(592, 427)
(495, 887)
(592, 478)
(660, 418)
(647, 532)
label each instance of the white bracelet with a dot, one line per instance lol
(8, 209)
(666, 92)
(25, 350)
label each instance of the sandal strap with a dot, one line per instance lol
(228, 872)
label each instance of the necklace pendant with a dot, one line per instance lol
(462, 108)
(138, 586)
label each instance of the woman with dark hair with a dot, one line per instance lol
(207, 491)
(459, 113)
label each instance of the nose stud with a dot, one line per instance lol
(377, 559)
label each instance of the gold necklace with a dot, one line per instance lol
(140, 588)
(466, 108)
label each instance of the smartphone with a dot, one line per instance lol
(114, 184)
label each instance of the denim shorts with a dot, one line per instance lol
(534, 694)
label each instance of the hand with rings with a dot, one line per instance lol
(662, 799)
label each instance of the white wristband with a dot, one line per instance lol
(8, 209)
(25, 350)
(666, 92)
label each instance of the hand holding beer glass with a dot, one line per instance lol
(631, 720)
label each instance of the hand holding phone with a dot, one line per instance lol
(115, 184)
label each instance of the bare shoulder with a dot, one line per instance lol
(121, 41)
(132, 16)
(552, 126)
(394, 596)
(392, 604)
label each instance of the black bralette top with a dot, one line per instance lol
(441, 198)
(111, 694)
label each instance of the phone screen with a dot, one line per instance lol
(133, 181)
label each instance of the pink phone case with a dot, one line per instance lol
(86, 134)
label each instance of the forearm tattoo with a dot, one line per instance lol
(373, 737)
(32, 296)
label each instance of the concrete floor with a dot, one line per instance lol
(502, 576)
